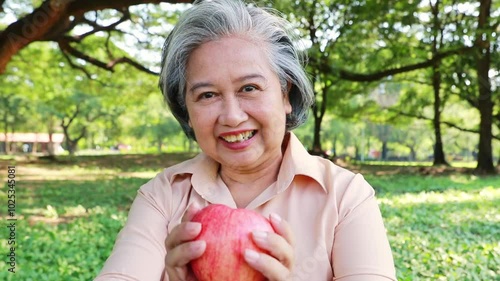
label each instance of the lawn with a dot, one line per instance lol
(442, 225)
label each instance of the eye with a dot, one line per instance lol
(248, 88)
(206, 95)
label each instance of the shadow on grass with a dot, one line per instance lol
(405, 183)
(122, 162)
(39, 197)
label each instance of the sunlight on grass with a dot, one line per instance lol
(395, 163)
(415, 163)
(464, 164)
(449, 234)
(34, 172)
(449, 196)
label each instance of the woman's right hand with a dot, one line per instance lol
(181, 249)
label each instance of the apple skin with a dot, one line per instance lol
(227, 233)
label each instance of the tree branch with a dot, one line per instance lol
(79, 67)
(133, 63)
(54, 19)
(98, 28)
(71, 118)
(447, 123)
(66, 47)
(358, 77)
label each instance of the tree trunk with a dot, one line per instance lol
(7, 144)
(50, 145)
(413, 153)
(316, 148)
(160, 144)
(71, 146)
(356, 152)
(50, 130)
(439, 157)
(384, 152)
(485, 102)
(319, 113)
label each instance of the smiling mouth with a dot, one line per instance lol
(241, 137)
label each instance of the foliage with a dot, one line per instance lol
(154, 123)
(371, 62)
(441, 227)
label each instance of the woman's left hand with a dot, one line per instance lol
(277, 265)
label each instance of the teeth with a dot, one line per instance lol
(239, 137)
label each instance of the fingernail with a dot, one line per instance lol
(275, 218)
(197, 245)
(251, 256)
(193, 227)
(260, 236)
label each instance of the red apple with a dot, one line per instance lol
(227, 233)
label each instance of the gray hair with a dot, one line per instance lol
(211, 20)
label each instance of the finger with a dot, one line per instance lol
(282, 227)
(184, 232)
(178, 274)
(191, 211)
(184, 253)
(271, 268)
(277, 246)
(175, 274)
(176, 261)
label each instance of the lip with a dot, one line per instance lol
(233, 133)
(237, 145)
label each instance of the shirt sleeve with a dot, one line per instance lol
(139, 251)
(361, 250)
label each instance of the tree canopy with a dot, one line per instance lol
(384, 63)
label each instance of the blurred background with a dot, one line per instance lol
(407, 92)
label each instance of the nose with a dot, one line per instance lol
(232, 113)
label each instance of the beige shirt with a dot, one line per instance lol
(333, 213)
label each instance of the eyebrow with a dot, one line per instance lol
(199, 85)
(202, 84)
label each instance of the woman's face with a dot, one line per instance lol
(235, 104)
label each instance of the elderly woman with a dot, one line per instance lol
(233, 78)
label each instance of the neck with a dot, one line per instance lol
(245, 183)
(265, 174)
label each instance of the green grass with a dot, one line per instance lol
(441, 227)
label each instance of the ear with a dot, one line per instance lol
(286, 99)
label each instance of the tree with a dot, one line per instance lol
(437, 43)
(13, 112)
(56, 21)
(67, 101)
(155, 124)
(485, 98)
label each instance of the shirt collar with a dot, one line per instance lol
(205, 179)
(297, 161)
